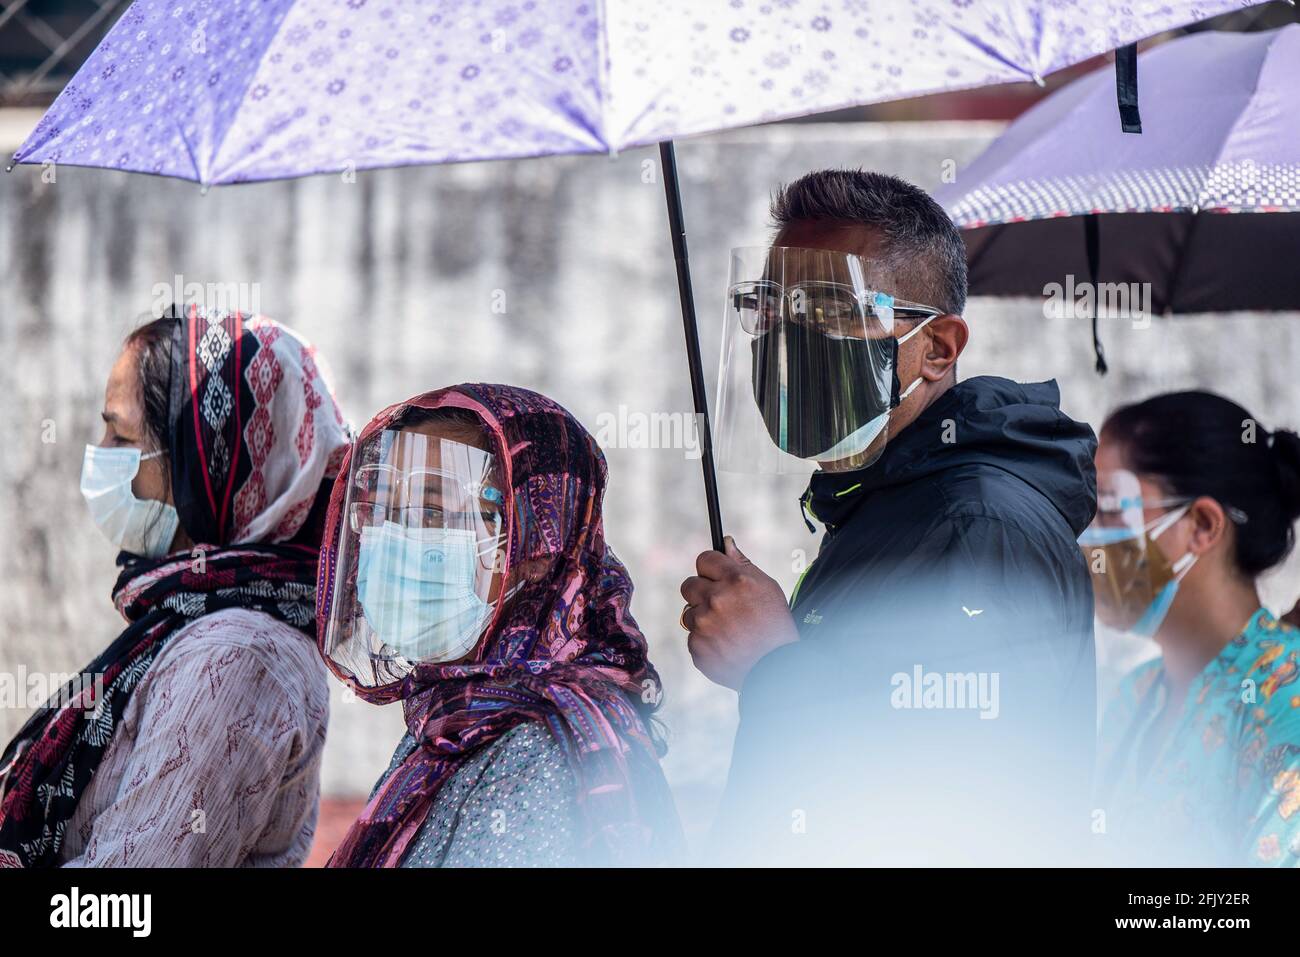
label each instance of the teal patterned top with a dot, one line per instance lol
(1224, 786)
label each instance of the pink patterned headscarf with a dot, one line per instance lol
(254, 437)
(563, 650)
(257, 428)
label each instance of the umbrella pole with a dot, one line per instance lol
(676, 225)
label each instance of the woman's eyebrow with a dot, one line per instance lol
(429, 494)
(123, 428)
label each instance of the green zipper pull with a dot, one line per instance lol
(805, 509)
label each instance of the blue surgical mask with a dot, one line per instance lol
(139, 526)
(417, 588)
(1151, 618)
(1154, 616)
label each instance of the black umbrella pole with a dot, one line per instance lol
(672, 193)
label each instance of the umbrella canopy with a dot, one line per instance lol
(1221, 136)
(227, 91)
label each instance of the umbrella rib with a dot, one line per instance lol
(598, 143)
(1202, 195)
(994, 54)
(189, 151)
(1171, 295)
(604, 92)
(219, 139)
(994, 233)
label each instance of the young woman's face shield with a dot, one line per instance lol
(1128, 569)
(420, 557)
(809, 354)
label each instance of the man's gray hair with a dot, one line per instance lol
(922, 248)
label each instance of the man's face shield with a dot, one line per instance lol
(809, 354)
(420, 557)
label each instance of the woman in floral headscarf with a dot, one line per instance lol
(465, 572)
(195, 738)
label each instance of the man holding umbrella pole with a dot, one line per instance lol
(927, 695)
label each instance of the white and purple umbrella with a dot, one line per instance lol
(230, 91)
(1064, 192)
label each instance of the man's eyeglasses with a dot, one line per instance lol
(830, 308)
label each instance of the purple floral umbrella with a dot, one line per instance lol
(231, 91)
(1063, 192)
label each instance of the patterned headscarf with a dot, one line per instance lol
(255, 441)
(261, 432)
(563, 650)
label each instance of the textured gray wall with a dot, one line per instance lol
(394, 278)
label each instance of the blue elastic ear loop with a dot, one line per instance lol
(1106, 535)
(1154, 616)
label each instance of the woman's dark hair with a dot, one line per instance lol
(153, 345)
(464, 421)
(450, 415)
(1199, 443)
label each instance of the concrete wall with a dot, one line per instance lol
(395, 277)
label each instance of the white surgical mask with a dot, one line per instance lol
(139, 526)
(417, 587)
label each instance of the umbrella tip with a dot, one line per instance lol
(1038, 78)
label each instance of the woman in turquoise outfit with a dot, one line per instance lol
(1199, 758)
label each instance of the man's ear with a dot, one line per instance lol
(947, 338)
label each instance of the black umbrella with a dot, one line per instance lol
(1065, 197)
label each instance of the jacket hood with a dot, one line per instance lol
(1013, 426)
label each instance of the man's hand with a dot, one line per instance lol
(735, 614)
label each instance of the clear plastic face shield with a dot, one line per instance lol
(1129, 570)
(420, 555)
(808, 373)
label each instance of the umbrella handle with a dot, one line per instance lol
(677, 227)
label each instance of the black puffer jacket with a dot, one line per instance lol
(939, 707)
